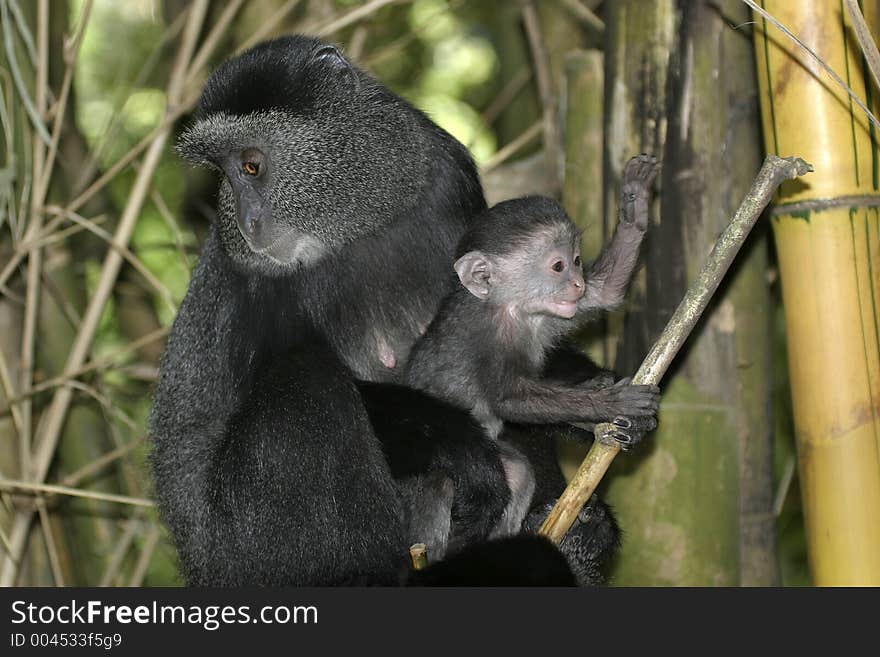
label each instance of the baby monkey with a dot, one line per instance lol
(523, 289)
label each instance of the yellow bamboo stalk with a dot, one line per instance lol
(827, 232)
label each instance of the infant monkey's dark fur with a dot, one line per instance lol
(524, 288)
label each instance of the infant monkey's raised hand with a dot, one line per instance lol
(524, 288)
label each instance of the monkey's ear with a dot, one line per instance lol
(332, 58)
(331, 55)
(474, 270)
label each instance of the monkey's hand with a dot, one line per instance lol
(589, 544)
(629, 431)
(635, 195)
(620, 399)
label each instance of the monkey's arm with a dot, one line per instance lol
(608, 277)
(545, 402)
(567, 364)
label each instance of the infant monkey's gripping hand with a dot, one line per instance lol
(627, 411)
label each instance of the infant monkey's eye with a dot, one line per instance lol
(558, 266)
(577, 261)
(251, 168)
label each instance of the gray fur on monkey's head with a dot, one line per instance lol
(314, 152)
(524, 254)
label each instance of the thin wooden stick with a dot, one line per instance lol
(51, 236)
(418, 552)
(140, 570)
(584, 15)
(164, 212)
(62, 302)
(544, 78)
(35, 256)
(351, 17)
(5, 540)
(784, 485)
(866, 41)
(105, 362)
(399, 44)
(510, 149)
(15, 485)
(355, 47)
(51, 547)
(21, 250)
(268, 25)
(207, 48)
(157, 285)
(510, 91)
(24, 31)
(75, 478)
(30, 109)
(70, 55)
(773, 173)
(120, 550)
(8, 391)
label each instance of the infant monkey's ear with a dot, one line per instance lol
(474, 270)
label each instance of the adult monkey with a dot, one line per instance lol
(338, 215)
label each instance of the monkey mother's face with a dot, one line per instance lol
(295, 188)
(314, 153)
(261, 219)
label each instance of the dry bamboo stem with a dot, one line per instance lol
(396, 46)
(35, 257)
(200, 59)
(89, 469)
(866, 41)
(143, 562)
(51, 547)
(418, 552)
(106, 362)
(13, 485)
(773, 173)
(509, 150)
(544, 78)
(120, 550)
(268, 25)
(353, 16)
(584, 15)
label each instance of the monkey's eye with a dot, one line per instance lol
(577, 261)
(251, 168)
(558, 266)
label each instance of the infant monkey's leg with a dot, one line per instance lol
(521, 480)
